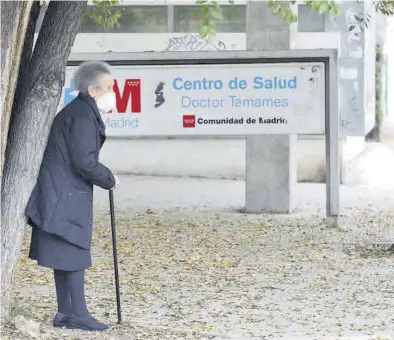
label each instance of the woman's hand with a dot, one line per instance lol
(117, 182)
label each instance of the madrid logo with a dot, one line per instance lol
(189, 121)
(129, 101)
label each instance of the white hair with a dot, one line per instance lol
(88, 74)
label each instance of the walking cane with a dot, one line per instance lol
(115, 252)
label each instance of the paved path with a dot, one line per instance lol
(162, 193)
(371, 186)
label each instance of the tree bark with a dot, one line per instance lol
(33, 115)
(27, 51)
(14, 22)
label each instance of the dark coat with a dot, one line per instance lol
(62, 200)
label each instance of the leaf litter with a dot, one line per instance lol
(195, 275)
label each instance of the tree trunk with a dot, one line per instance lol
(27, 50)
(14, 22)
(33, 115)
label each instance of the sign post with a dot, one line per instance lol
(226, 93)
(332, 144)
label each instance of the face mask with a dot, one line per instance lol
(107, 102)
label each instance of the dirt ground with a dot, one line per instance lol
(195, 275)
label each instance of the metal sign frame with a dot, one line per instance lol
(329, 57)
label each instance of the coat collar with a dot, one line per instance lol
(92, 103)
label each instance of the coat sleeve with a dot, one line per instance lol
(84, 152)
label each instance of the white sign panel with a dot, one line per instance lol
(230, 99)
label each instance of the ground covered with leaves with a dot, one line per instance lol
(194, 275)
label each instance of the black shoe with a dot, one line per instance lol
(60, 320)
(86, 323)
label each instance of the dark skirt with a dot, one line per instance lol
(52, 251)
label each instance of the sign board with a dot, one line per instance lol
(231, 93)
(215, 99)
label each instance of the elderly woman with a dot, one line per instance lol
(60, 208)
